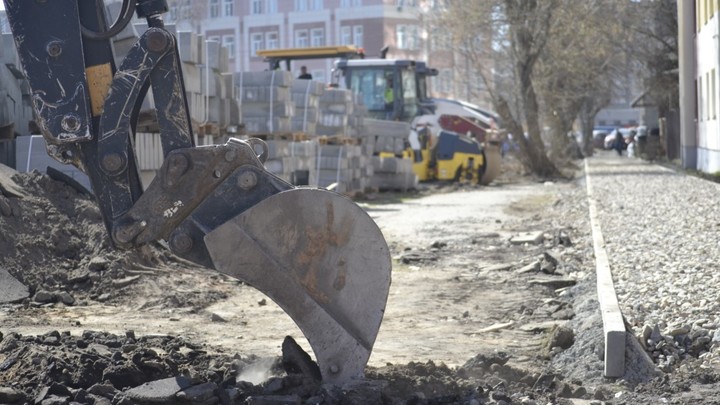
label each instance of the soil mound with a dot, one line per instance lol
(53, 240)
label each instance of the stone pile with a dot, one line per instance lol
(209, 85)
(103, 368)
(344, 167)
(356, 120)
(266, 103)
(392, 173)
(294, 162)
(305, 96)
(389, 136)
(385, 141)
(336, 105)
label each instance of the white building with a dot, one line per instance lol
(699, 65)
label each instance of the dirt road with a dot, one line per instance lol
(440, 301)
(461, 292)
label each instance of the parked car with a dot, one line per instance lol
(598, 137)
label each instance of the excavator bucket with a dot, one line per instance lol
(323, 260)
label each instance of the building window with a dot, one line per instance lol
(707, 96)
(714, 95)
(350, 3)
(272, 6)
(440, 41)
(185, 9)
(301, 5)
(317, 36)
(358, 36)
(407, 37)
(256, 44)
(214, 8)
(301, 39)
(271, 40)
(256, 6)
(413, 37)
(228, 8)
(228, 42)
(316, 5)
(172, 14)
(698, 93)
(443, 81)
(406, 3)
(214, 38)
(401, 36)
(345, 35)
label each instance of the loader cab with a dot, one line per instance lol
(388, 88)
(422, 72)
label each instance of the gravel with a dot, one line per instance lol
(662, 233)
(662, 230)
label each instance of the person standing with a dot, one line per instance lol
(619, 143)
(389, 98)
(304, 73)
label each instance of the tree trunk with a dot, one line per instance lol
(587, 124)
(539, 163)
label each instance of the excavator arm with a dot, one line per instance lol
(314, 252)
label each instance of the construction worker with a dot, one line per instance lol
(304, 73)
(389, 97)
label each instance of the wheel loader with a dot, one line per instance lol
(396, 90)
(319, 256)
(447, 152)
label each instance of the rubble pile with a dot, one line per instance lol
(54, 242)
(293, 161)
(305, 97)
(266, 103)
(102, 368)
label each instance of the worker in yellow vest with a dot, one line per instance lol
(389, 97)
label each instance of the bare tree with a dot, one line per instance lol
(520, 30)
(655, 49)
(578, 68)
(551, 63)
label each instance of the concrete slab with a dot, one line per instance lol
(541, 326)
(7, 184)
(11, 290)
(613, 324)
(531, 238)
(159, 391)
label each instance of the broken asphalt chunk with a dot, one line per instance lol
(530, 238)
(159, 391)
(11, 290)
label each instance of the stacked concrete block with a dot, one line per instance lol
(389, 136)
(209, 87)
(392, 173)
(356, 120)
(342, 168)
(265, 101)
(335, 107)
(15, 108)
(305, 96)
(294, 162)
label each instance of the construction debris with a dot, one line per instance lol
(11, 290)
